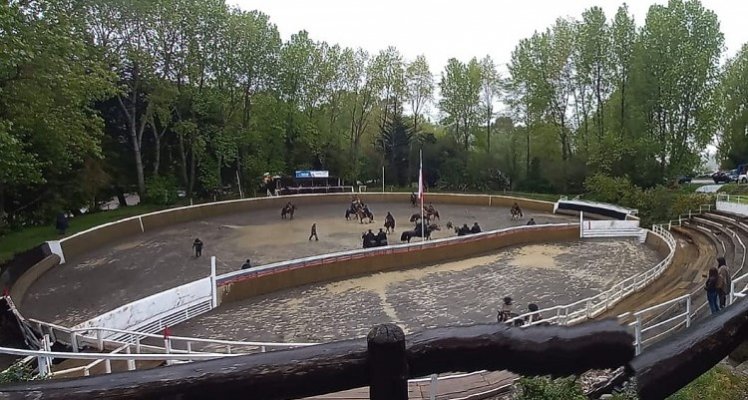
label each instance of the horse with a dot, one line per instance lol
(415, 217)
(413, 199)
(288, 209)
(407, 235)
(389, 223)
(516, 212)
(365, 213)
(431, 213)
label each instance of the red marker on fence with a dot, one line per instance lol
(6, 293)
(167, 332)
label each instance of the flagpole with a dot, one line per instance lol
(420, 178)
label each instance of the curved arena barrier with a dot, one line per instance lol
(243, 284)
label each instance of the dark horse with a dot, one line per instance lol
(389, 223)
(413, 199)
(407, 235)
(288, 209)
(363, 212)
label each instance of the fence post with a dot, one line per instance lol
(689, 214)
(638, 334)
(581, 224)
(213, 288)
(688, 312)
(100, 339)
(74, 341)
(388, 367)
(732, 290)
(433, 389)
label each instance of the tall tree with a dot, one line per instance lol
(623, 39)
(419, 86)
(460, 90)
(490, 88)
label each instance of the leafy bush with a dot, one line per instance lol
(17, 373)
(656, 205)
(161, 190)
(549, 389)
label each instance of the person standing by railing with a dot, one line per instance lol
(198, 246)
(723, 281)
(711, 290)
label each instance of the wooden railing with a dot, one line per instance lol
(386, 359)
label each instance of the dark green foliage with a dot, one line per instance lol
(161, 190)
(542, 388)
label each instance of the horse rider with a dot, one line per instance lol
(506, 310)
(463, 230)
(389, 220)
(531, 221)
(413, 199)
(516, 209)
(430, 208)
(475, 228)
(381, 238)
(368, 238)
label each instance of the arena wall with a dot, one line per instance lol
(658, 243)
(22, 284)
(247, 285)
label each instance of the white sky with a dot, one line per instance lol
(441, 29)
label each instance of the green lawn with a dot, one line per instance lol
(18, 241)
(718, 383)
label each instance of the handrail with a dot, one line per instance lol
(616, 293)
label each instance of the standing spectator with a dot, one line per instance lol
(198, 246)
(711, 290)
(314, 233)
(724, 282)
(506, 310)
(247, 264)
(62, 223)
(531, 221)
(534, 317)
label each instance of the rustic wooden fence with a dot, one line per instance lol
(386, 359)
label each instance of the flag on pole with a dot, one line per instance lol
(420, 194)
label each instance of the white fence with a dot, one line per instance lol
(595, 305)
(153, 313)
(610, 229)
(733, 204)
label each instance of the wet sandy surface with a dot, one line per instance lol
(463, 292)
(139, 266)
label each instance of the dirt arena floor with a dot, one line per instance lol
(456, 293)
(155, 261)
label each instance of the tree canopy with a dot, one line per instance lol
(102, 97)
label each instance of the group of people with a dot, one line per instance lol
(718, 284)
(371, 240)
(505, 313)
(465, 230)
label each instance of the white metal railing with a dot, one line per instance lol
(639, 324)
(595, 305)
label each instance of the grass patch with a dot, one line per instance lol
(734, 188)
(25, 239)
(718, 383)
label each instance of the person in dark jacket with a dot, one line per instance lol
(381, 238)
(62, 223)
(464, 230)
(247, 264)
(198, 246)
(724, 282)
(314, 233)
(711, 290)
(531, 221)
(475, 228)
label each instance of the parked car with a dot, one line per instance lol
(721, 177)
(734, 175)
(684, 179)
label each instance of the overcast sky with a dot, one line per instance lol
(441, 29)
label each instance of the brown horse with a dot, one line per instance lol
(288, 209)
(407, 235)
(516, 212)
(389, 223)
(364, 213)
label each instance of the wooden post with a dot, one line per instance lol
(388, 367)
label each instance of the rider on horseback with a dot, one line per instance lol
(516, 210)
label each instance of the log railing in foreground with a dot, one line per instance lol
(384, 361)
